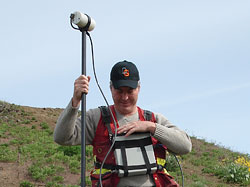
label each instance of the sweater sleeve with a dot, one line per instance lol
(176, 140)
(68, 126)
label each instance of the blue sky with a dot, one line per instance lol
(193, 58)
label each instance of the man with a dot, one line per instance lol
(131, 120)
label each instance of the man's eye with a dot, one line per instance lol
(131, 91)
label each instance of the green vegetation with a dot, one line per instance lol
(27, 142)
(214, 161)
(26, 184)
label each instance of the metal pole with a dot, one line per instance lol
(83, 114)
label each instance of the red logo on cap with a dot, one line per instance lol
(125, 72)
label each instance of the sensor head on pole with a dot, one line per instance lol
(83, 21)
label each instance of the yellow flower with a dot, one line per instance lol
(243, 162)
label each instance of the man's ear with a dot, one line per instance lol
(110, 85)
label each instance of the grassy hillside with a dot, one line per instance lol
(29, 157)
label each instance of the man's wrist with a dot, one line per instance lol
(152, 128)
(75, 104)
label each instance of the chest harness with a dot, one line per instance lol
(137, 154)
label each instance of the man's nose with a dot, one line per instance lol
(124, 96)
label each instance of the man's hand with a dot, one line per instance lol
(81, 85)
(137, 126)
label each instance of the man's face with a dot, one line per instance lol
(125, 99)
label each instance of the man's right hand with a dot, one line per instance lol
(81, 85)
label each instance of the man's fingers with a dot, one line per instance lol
(137, 126)
(131, 131)
(83, 78)
(81, 81)
(81, 85)
(128, 129)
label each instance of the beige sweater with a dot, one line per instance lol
(68, 132)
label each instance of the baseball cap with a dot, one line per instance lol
(124, 73)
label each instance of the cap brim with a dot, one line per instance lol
(128, 83)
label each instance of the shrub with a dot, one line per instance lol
(243, 161)
(233, 173)
(26, 184)
(7, 154)
(39, 172)
(70, 150)
(171, 163)
(44, 125)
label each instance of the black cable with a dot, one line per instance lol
(113, 143)
(71, 18)
(93, 66)
(182, 176)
